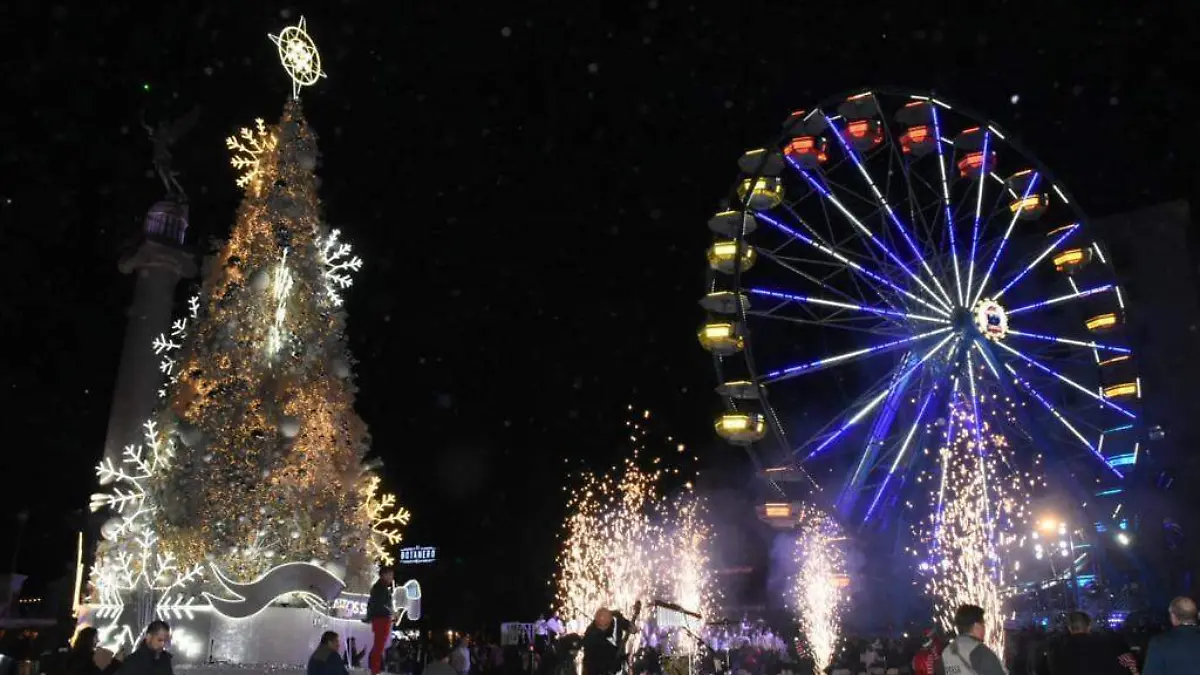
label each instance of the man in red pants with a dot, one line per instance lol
(379, 615)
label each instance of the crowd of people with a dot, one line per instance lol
(612, 644)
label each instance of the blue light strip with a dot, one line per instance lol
(1068, 341)
(937, 137)
(844, 305)
(873, 402)
(912, 431)
(1062, 298)
(1110, 492)
(987, 139)
(825, 192)
(1122, 460)
(1063, 378)
(776, 375)
(912, 245)
(1033, 181)
(1029, 268)
(1063, 420)
(846, 261)
(883, 422)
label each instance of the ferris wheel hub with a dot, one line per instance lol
(990, 318)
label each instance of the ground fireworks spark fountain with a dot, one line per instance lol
(979, 506)
(623, 542)
(819, 586)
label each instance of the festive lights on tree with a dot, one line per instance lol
(257, 456)
(818, 589)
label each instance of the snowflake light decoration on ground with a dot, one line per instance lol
(248, 149)
(335, 255)
(299, 56)
(386, 518)
(134, 565)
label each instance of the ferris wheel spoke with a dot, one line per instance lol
(844, 324)
(1031, 184)
(987, 139)
(1041, 256)
(808, 299)
(848, 262)
(1083, 293)
(1061, 418)
(945, 184)
(883, 204)
(901, 452)
(1069, 341)
(878, 435)
(814, 366)
(897, 375)
(841, 208)
(1063, 378)
(791, 266)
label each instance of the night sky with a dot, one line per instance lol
(528, 186)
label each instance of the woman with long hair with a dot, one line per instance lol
(88, 658)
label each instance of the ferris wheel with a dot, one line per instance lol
(889, 255)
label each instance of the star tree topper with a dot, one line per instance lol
(299, 56)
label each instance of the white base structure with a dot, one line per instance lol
(269, 621)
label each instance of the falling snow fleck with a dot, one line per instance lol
(1015, 99)
(593, 68)
(506, 31)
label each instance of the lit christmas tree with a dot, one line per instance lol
(256, 457)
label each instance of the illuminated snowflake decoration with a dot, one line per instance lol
(165, 345)
(194, 306)
(136, 567)
(248, 149)
(386, 518)
(338, 262)
(299, 56)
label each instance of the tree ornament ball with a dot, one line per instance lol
(111, 528)
(190, 435)
(307, 160)
(260, 280)
(341, 369)
(289, 426)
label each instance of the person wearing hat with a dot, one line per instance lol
(922, 663)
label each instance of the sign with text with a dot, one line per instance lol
(418, 555)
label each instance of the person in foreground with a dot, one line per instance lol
(88, 658)
(967, 654)
(379, 615)
(1088, 653)
(1176, 652)
(327, 660)
(440, 663)
(151, 656)
(603, 641)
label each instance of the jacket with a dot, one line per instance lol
(1088, 654)
(379, 604)
(325, 661)
(1174, 653)
(965, 655)
(83, 662)
(602, 648)
(146, 661)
